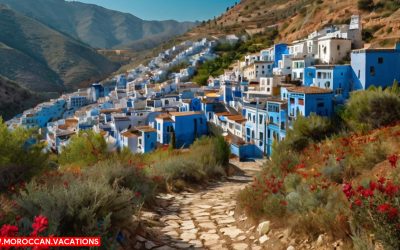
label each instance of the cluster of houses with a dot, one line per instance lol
(254, 103)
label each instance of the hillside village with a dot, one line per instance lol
(254, 103)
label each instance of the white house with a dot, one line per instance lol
(258, 69)
(333, 50)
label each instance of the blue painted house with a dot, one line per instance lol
(280, 49)
(141, 139)
(187, 126)
(277, 122)
(337, 78)
(306, 100)
(375, 67)
(256, 125)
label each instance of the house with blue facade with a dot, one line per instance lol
(337, 78)
(44, 113)
(375, 67)
(142, 139)
(277, 122)
(186, 127)
(280, 49)
(305, 100)
(256, 125)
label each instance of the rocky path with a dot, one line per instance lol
(202, 220)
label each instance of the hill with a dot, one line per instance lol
(97, 26)
(15, 99)
(296, 19)
(42, 59)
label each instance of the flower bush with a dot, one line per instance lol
(375, 207)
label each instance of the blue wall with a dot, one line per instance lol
(279, 50)
(188, 128)
(320, 104)
(375, 68)
(149, 141)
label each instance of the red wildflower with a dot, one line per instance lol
(392, 213)
(372, 185)
(393, 160)
(383, 208)
(391, 189)
(348, 190)
(300, 166)
(138, 194)
(40, 223)
(358, 202)
(284, 203)
(66, 184)
(8, 230)
(367, 193)
(382, 180)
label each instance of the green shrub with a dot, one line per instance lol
(205, 159)
(126, 176)
(84, 149)
(372, 154)
(371, 109)
(334, 170)
(308, 129)
(79, 206)
(20, 156)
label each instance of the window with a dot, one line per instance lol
(380, 60)
(319, 74)
(249, 117)
(327, 84)
(254, 118)
(261, 139)
(359, 74)
(282, 125)
(201, 120)
(271, 119)
(291, 100)
(269, 133)
(338, 47)
(372, 70)
(301, 102)
(320, 105)
(260, 119)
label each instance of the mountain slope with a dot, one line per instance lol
(97, 26)
(43, 59)
(295, 19)
(15, 99)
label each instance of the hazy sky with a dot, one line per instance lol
(181, 10)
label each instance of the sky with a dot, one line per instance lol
(181, 10)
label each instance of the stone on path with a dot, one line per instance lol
(207, 225)
(263, 227)
(263, 239)
(188, 236)
(240, 246)
(208, 236)
(232, 232)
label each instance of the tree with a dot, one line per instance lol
(86, 148)
(366, 5)
(21, 155)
